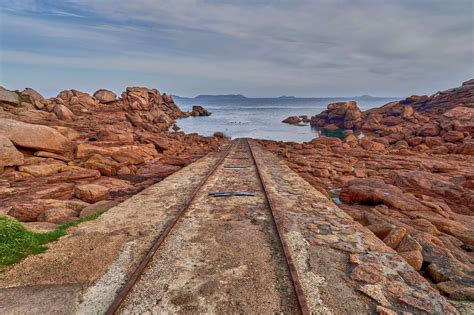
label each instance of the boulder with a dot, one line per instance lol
(105, 96)
(199, 111)
(395, 236)
(429, 130)
(159, 141)
(344, 115)
(408, 244)
(453, 136)
(32, 94)
(467, 148)
(373, 191)
(57, 215)
(82, 99)
(63, 113)
(174, 160)
(41, 169)
(91, 192)
(52, 156)
(128, 157)
(9, 97)
(294, 120)
(414, 258)
(26, 212)
(9, 155)
(326, 141)
(84, 150)
(105, 165)
(35, 137)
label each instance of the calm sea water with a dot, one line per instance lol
(260, 117)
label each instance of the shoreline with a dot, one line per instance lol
(72, 155)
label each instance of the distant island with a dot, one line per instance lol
(237, 97)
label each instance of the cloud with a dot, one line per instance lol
(301, 46)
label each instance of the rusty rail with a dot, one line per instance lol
(125, 290)
(303, 304)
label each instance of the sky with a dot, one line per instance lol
(256, 48)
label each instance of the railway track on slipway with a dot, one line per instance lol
(238, 156)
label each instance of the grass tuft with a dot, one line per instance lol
(16, 242)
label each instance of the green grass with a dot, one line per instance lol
(16, 242)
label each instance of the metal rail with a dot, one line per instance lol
(303, 304)
(125, 290)
(134, 278)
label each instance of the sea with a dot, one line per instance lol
(238, 116)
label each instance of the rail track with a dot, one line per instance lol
(238, 160)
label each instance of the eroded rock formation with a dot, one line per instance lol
(59, 157)
(410, 179)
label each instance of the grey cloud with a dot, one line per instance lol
(316, 46)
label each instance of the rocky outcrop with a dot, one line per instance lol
(9, 155)
(409, 180)
(35, 137)
(344, 115)
(9, 97)
(105, 96)
(199, 111)
(51, 148)
(292, 120)
(91, 192)
(419, 204)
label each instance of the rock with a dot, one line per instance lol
(371, 145)
(32, 94)
(199, 111)
(460, 113)
(9, 97)
(35, 137)
(350, 138)
(344, 115)
(408, 244)
(9, 155)
(82, 99)
(26, 212)
(69, 133)
(373, 191)
(41, 169)
(467, 148)
(74, 175)
(57, 215)
(91, 192)
(105, 165)
(84, 150)
(414, 258)
(105, 96)
(124, 170)
(331, 127)
(407, 111)
(128, 157)
(174, 160)
(63, 113)
(433, 141)
(61, 191)
(429, 130)
(103, 205)
(453, 136)
(52, 156)
(326, 141)
(395, 236)
(294, 120)
(457, 291)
